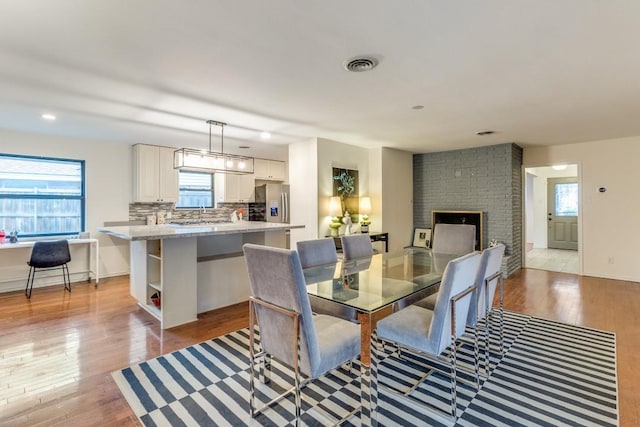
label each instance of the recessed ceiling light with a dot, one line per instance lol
(486, 132)
(358, 65)
(265, 135)
(49, 117)
(559, 167)
(417, 107)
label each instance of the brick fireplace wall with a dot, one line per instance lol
(487, 179)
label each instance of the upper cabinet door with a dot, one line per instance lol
(154, 178)
(271, 170)
(167, 176)
(234, 188)
(146, 163)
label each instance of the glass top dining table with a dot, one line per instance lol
(368, 289)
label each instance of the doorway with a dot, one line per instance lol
(551, 218)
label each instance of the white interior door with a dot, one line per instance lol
(562, 214)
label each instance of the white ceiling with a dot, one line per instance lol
(537, 72)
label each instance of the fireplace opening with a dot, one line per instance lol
(461, 217)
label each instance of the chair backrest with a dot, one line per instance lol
(458, 239)
(47, 254)
(459, 275)
(317, 252)
(356, 246)
(275, 276)
(489, 265)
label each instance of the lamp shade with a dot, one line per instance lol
(365, 205)
(335, 207)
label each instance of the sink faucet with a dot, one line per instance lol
(202, 211)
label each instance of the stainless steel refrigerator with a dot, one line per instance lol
(271, 204)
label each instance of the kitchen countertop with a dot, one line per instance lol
(170, 231)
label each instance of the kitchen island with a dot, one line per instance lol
(178, 271)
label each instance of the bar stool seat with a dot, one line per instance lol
(50, 255)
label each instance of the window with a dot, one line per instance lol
(196, 190)
(566, 199)
(41, 196)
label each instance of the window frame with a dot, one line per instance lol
(82, 197)
(211, 189)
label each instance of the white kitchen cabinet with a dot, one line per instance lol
(270, 170)
(231, 188)
(154, 178)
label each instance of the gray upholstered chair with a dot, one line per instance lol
(49, 255)
(489, 276)
(317, 252)
(318, 255)
(356, 246)
(310, 345)
(431, 332)
(458, 239)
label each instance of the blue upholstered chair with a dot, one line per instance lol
(317, 252)
(49, 255)
(430, 333)
(356, 246)
(310, 345)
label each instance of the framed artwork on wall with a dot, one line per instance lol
(422, 237)
(345, 186)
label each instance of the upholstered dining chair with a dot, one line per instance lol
(311, 345)
(317, 252)
(458, 239)
(489, 276)
(430, 333)
(356, 246)
(49, 255)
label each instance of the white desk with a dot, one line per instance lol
(94, 255)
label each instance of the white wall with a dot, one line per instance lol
(108, 187)
(396, 180)
(608, 230)
(303, 186)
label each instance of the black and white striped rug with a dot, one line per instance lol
(552, 374)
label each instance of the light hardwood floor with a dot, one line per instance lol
(57, 350)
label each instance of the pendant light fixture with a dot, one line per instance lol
(189, 159)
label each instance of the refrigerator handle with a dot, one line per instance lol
(283, 217)
(286, 200)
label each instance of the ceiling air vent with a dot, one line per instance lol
(358, 65)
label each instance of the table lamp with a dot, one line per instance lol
(335, 210)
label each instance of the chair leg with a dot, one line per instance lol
(266, 369)
(296, 378)
(487, 330)
(501, 314)
(66, 277)
(30, 279)
(453, 363)
(252, 360)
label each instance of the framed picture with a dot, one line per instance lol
(422, 237)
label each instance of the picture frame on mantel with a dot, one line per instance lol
(422, 237)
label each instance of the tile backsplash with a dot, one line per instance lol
(140, 211)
